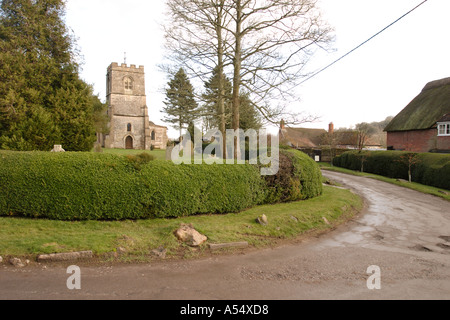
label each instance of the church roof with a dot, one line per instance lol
(152, 124)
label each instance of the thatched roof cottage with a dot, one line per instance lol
(424, 124)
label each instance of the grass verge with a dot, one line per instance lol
(439, 192)
(27, 238)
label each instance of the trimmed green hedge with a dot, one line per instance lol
(298, 178)
(69, 186)
(431, 169)
(92, 186)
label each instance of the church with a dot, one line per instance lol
(129, 123)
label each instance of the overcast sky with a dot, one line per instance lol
(375, 81)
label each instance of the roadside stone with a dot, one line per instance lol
(160, 252)
(217, 246)
(443, 192)
(294, 218)
(65, 256)
(16, 262)
(189, 235)
(262, 220)
(326, 221)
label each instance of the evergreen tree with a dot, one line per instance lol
(181, 107)
(43, 101)
(250, 117)
(211, 108)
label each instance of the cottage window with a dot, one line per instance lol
(444, 129)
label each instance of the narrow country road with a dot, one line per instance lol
(404, 233)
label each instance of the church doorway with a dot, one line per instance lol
(129, 143)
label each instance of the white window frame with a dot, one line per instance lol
(443, 129)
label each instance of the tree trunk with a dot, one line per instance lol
(221, 84)
(237, 76)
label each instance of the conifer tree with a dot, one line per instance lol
(250, 117)
(181, 107)
(43, 101)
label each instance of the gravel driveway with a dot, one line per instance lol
(398, 248)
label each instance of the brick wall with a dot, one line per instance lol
(417, 141)
(443, 143)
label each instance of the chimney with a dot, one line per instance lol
(331, 128)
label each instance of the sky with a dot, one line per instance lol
(376, 81)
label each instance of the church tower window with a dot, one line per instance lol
(128, 83)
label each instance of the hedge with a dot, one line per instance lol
(298, 178)
(92, 186)
(431, 169)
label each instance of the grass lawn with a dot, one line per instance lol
(27, 238)
(439, 192)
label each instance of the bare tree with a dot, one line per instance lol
(197, 39)
(272, 39)
(365, 131)
(410, 159)
(265, 44)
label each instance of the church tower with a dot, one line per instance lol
(127, 108)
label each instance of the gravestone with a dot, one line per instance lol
(58, 148)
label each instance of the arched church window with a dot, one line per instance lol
(153, 135)
(129, 127)
(128, 83)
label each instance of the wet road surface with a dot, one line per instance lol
(404, 233)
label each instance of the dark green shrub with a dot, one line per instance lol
(298, 178)
(174, 191)
(88, 186)
(93, 186)
(69, 186)
(428, 168)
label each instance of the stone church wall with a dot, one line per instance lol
(129, 123)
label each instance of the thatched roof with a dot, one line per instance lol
(445, 118)
(302, 137)
(425, 110)
(350, 138)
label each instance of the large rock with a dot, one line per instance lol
(190, 236)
